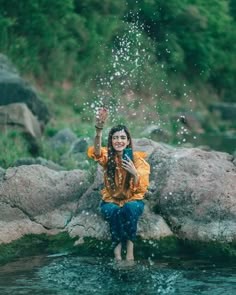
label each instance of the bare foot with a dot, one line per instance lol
(130, 251)
(117, 252)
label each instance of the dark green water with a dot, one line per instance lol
(220, 143)
(216, 142)
(67, 275)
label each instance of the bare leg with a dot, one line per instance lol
(130, 250)
(117, 252)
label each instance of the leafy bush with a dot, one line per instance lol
(66, 39)
(13, 146)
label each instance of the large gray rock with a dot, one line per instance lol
(38, 161)
(64, 137)
(2, 172)
(15, 89)
(35, 199)
(156, 133)
(195, 192)
(17, 116)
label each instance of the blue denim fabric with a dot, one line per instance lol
(122, 220)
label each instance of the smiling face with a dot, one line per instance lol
(120, 141)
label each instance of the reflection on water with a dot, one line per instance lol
(67, 275)
(222, 143)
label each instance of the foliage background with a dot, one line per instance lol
(145, 59)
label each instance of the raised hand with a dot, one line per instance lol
(101, 117)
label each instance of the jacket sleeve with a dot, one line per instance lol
(102, 159)
(143, 169)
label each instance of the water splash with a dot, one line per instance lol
(128, 92)
(125, 74)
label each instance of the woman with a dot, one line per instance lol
(126, 183)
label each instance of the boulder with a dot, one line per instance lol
(17, 116)
(38, 161)
(156, 133)
(149, 146)
(189, 120)
(77, 154)
(2, 172)
(62, 138)
(195, 193)
(14, 89)
(79, 146)
(35, 199)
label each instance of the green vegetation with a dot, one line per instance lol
(216, 250)
(12, 145)
(60, 40)
(31, 245)
(146, 60)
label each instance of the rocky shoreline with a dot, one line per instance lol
(191, 201)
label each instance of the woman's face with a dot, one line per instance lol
(120, 141)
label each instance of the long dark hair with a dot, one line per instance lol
(111, 164)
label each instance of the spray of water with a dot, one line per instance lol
(128, 92)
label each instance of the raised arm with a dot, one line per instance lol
(101, 117)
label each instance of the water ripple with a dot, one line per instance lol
(71, 275)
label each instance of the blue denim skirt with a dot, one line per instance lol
(122, 220)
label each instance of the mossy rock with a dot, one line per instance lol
(209, 250)
(31, 245)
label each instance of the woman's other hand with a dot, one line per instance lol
(128, 165)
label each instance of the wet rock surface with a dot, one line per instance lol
(192, 195)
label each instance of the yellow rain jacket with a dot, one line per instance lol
(120, 195)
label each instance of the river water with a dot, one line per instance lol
(69, 275)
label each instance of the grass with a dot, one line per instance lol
(12, 145)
